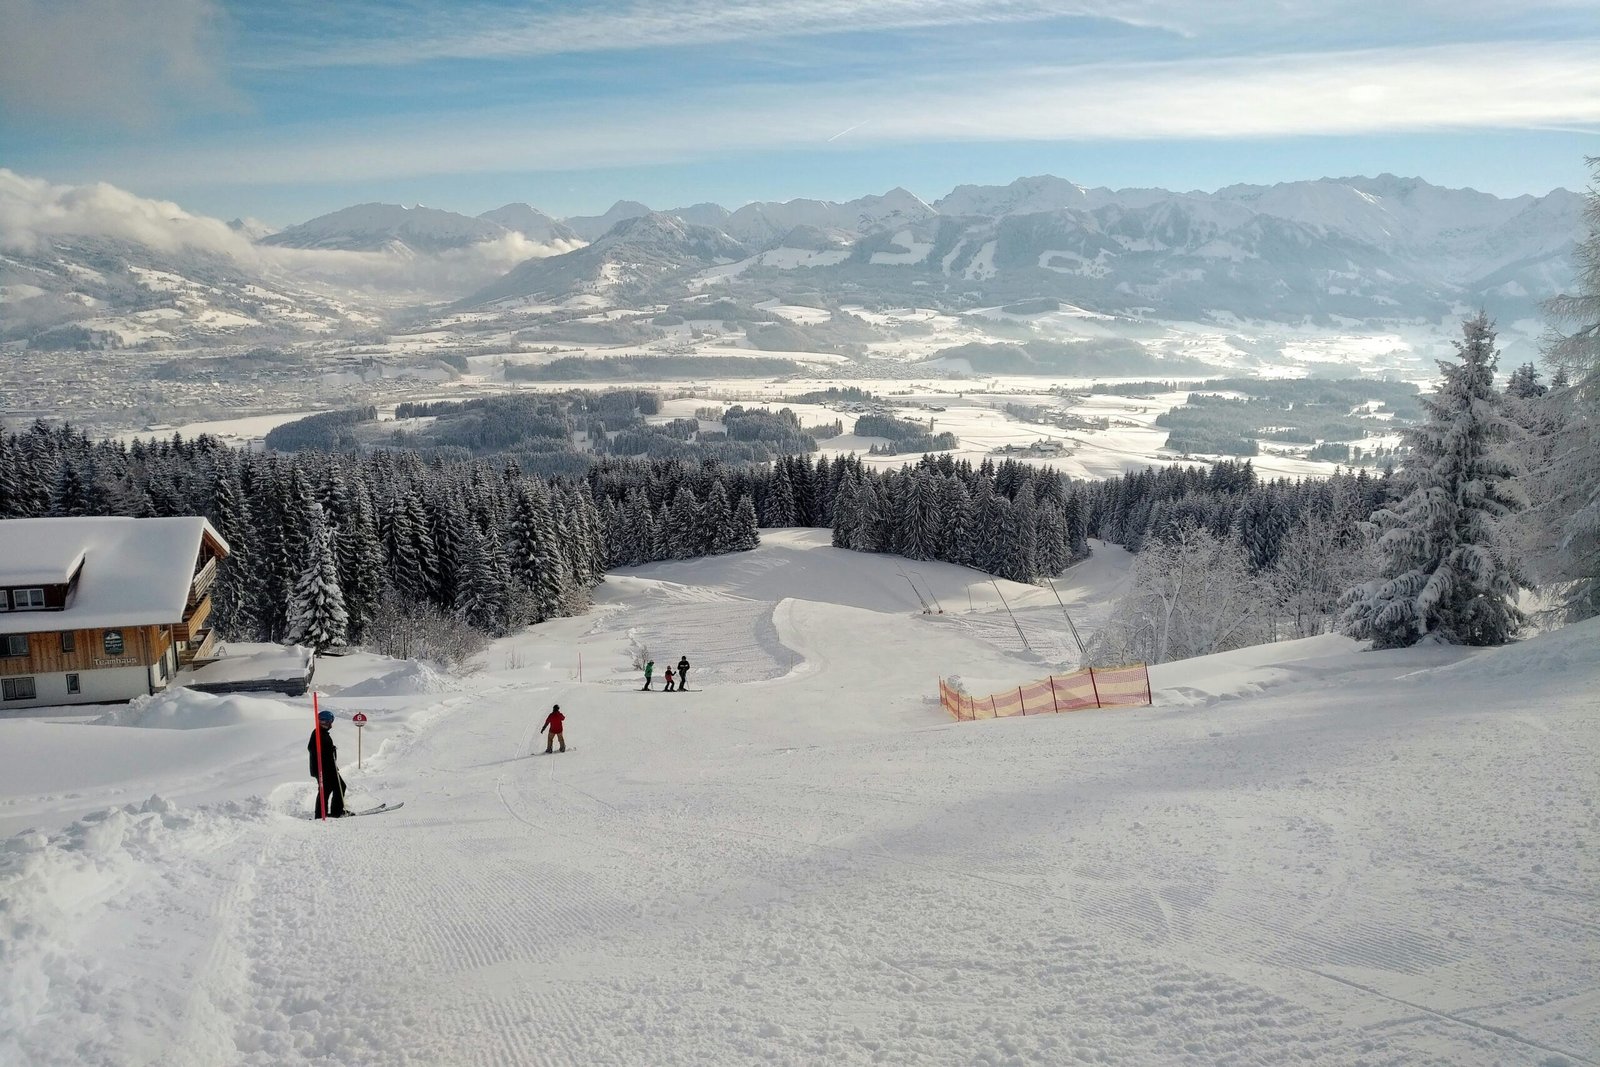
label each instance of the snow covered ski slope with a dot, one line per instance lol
(1302, 854)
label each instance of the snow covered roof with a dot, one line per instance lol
(53, 564)
(136, 572)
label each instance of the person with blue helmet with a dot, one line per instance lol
(325, 768)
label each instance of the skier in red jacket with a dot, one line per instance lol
(552, 724)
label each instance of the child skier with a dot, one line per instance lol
(668, 688)
(648, 668)
(552, 723)
(325, 768)
(683, 673)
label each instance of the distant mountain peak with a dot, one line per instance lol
(375, 226)
(532, 223)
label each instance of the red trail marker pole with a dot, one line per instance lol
(360, 719)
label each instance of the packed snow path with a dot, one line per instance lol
(1305, 854)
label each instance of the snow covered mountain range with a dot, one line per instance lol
(1335, 249)
(75, 261)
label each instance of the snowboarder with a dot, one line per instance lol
(668, 688)
(683, 673)
(325, 768)
(648, 669)
(552, 723)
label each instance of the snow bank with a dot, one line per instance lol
(1249, 671)
(411, 678)
(188, 709)
(1574, 647)
(55, 887)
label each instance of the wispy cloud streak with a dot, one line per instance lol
(1444, 88)
(355, 34)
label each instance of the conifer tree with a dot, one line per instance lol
(682, 533)
(76, 490)
(1524, 383)
(918, 510)
(11, 503)
(746, 535)
(1565, 521)
(237, 591)
(481, 593)
(360, 558)
(447, 521)
(1450, 570)
(847, 515)
(717, 532)
(779, 507)
(316, 613)
(956, 533)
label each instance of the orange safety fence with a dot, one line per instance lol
(1092, 687)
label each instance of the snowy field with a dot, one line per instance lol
(972, 406)
(1302, 854)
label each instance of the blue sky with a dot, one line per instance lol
(284, 110)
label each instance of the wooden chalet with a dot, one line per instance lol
(102, 609)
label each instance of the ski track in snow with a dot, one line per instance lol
(1302, 854)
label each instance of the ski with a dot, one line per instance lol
(374, 811)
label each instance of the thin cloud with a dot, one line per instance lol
(354, 34)
(109, 61)
(1456, 87)
(500, 33)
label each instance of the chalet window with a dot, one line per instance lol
(18, 689)
(5, 600)
(69, 641)
(113, 642)
(14, 645)
(28, 599)
(73, 686)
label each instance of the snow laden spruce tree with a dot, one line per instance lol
(1450, 573)
(1565, 521)
(317, 614)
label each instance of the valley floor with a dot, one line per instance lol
(1302, 854)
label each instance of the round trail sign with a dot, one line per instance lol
(359, 718)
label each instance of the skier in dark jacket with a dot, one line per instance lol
(325, 769)
(553, 723)
(683, 673)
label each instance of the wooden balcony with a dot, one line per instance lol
(202, 581)
(194, 620)
(198, 649)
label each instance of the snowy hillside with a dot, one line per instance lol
(634, 252)
(1303, 853)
